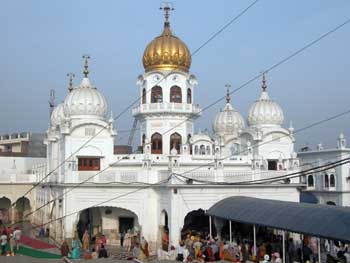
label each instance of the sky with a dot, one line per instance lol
(41, 41)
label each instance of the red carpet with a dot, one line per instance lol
(34, 243)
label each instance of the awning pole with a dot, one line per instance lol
(319, 250)
(210, 234)
(254, 231)
(230, 231)
(284, 246)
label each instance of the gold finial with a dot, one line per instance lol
(86, 65)
(264, 86)
(71, 77)
(167, 8)
(228, 97)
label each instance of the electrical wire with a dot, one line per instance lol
(246, 83)
(135, 101)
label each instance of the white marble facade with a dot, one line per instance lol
(237, 151)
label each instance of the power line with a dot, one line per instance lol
(275, 139)
(245, 84)
(198, 167)
(276, 178)
(109, 200)
(135, 101)
(272, 67)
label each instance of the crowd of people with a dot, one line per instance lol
(269, 248)
(96, 247)
(88, 248)
(9, 240)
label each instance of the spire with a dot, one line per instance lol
(264, 86)
(86, 65)
(166, 9)
(71, 77)
(228, 97)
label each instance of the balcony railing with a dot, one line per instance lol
(167, 107)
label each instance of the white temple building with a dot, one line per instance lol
(177, 174)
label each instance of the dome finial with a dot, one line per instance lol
(228, 97)
(264, 86)
(86, 65)
(167, 8)
(71, 77)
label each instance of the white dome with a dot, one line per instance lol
(57, 115)
(228, 121)
(85, 100)
(265, 111)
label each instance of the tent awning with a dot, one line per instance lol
(324, 221)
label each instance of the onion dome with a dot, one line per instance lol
(85, 99)
(265, 111)
(228, 121)
(57, 115)
(166, 52)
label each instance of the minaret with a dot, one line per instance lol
(166, 112)
(71, 77)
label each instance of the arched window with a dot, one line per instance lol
(175, 141)
(196, 150)
(326, 181)
(208, 150)
(157, 145)
(310, 181)
(202, 150)
(189, 96)
(143, 139)
(175, 94)
(144, 96)
(156, 95)
(332, 180)
(188, 142)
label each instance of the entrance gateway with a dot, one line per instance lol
(108, 221)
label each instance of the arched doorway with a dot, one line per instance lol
(175, 94)
(5, 205)
(157, 144)
(108, 221)
(197, 223)
(22, 208)
(175, 141)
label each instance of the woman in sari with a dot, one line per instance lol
(75, 248)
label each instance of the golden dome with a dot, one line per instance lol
(166, 52)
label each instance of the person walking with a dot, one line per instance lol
(3, 242)
(17, 236)
(122, 235)
(64, 249)
(12, 245)
(127, 241)
(86, 240)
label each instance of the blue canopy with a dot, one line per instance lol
(331, 222)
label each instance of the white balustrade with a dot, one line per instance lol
(166, 106)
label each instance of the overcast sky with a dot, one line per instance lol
(43, 40)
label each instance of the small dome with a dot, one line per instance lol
(228, 121)
(167, 52)
(57, 115)
(265, 111)
(85, 100)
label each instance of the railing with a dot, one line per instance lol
(166, 106)
(10, 177)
